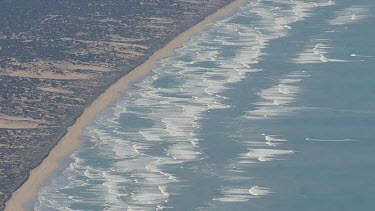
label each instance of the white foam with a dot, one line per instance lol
(164, 192)
(276, 100)
(111, 184)
(313, 55)
(124, 150)
(151, 135)
(350, 15)
(290, 80)
(231, 199)
(234, 195)
(272, 140)
(183, 152)
(259, 191)
(147, 196)
(330, 140)
(175, 113)
(160, 207)
(359, 55)
(264, 155)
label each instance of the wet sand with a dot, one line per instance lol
(71, 141)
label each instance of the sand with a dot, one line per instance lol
(16, 122)
(71, 141)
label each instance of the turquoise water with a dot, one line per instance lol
(272, 108)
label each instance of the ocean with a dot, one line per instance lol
(271, 108)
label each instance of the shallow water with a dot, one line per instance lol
(270, 109)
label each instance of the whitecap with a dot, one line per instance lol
(259, 191)
(264, 155)
(331, 140)
(350, 15)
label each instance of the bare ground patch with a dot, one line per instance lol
(16, 122)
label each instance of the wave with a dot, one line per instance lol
(316, 54)
(236, 195)
(259, 191)
(276, 100)
(331, 140)
(272, 140)
(128, 166)
(264, 155)
(350, 15)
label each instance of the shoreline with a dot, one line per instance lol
(71, 141)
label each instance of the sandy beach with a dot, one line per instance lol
(71, 141)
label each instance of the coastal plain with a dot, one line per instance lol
(56, 57)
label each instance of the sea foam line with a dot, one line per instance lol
(331, 140)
